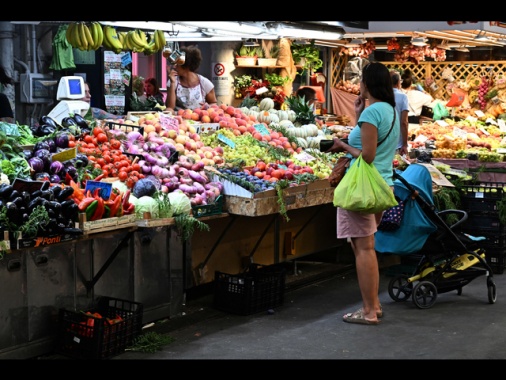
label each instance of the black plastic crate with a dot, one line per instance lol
(483, 190)
(483, 223)
(495, 259)
(480, 204)
(256, 290)
(83, 335)
(493, 240)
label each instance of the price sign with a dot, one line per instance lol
(168, 122)
(304, 157)
(479, 113)
(485, 132)
(261, 129)
(64, 155)
(457, 132)
(9, 129)
(105, 188)
(226, 140)
(502, 125)
(28, 186)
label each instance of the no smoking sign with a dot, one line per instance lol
(219, 69)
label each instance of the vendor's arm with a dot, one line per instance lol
(170, 102)
(100, 114)
(403, 150)
(211, 97)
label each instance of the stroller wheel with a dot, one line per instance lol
(424, 294)
(492, 291)
(399, 288)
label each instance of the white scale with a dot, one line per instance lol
(70, 90)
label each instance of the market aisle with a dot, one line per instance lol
(309, 326)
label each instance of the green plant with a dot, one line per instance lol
(247, 51)
(310, 53)
(276, 79)
(242, 81)
(274, 51)
(302, 108)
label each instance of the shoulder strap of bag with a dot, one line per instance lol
(390, 130)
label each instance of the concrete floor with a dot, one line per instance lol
(309, 326)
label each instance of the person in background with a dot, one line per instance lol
(95, 112)
(186, 88)
(374, 124)
(6, 113)
(402, 107)
(151, 89)
(416, 98)
(308, 93)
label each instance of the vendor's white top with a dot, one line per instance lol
(416, 100)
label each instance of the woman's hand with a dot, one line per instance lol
(359, 105)
(339, 145)
(172, 74)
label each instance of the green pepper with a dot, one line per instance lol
(107, 212)
(90, 210)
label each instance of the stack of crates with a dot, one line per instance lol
(482, 203)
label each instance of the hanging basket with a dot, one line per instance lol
(246, 61)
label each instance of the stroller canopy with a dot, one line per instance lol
(415, 226)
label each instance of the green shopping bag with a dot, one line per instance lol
(363, 189)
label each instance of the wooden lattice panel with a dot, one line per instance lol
(462, 71)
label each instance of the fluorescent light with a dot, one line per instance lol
(152, 25)
(226, 26)
(304, 30)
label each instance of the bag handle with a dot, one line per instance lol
(390, 130)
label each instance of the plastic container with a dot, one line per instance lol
(85, 336)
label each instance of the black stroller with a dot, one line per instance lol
(448, 258)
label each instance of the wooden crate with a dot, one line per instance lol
(303, 196)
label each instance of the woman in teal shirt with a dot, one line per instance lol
(374, 124)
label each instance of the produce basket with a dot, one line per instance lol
(258, 289)
(267, 61)
(246, 61)
(102, 332)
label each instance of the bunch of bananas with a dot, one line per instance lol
(85, 37)
(137, 41)
(111, 39)
(93, 36)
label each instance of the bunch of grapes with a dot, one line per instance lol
(482, 91)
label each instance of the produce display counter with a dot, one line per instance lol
(144, 265)
(147, 261)
(255, 231)
(487, 171)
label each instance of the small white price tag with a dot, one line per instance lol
(457, 132)
(502, 125)
(479, 113)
